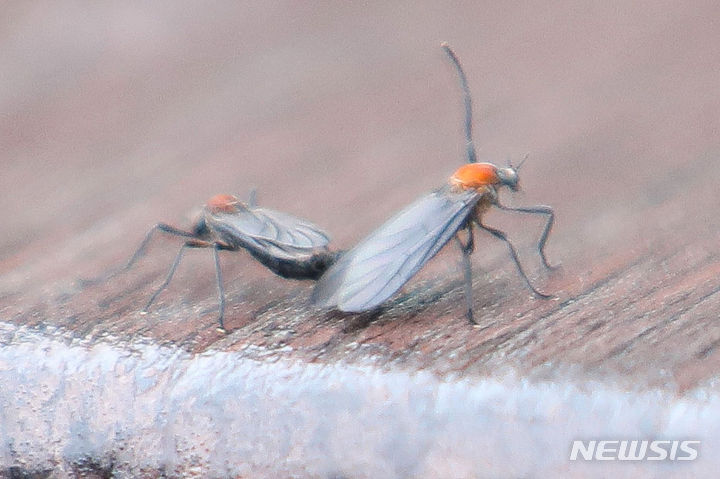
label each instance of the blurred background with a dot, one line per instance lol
(117, 115)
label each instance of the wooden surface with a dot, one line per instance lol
(119, 116)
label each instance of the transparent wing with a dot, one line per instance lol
(382, 263)
(269, 227)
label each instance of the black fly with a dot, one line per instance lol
(289, 246)
(371, 272)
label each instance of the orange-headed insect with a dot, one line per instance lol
(382, 263)
(289, 246)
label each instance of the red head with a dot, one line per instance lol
(222, 204)
(478, 175)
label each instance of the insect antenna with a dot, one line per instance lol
(470, 146)
(517, 168)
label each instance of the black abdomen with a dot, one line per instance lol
(309, 267)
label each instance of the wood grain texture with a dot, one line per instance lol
(116, 117)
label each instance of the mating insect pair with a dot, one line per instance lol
(367, 275)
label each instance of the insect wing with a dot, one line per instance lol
(381, 264)
(269, 227)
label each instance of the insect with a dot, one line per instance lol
(289, 246)
(371, 272)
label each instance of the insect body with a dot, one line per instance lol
(289, 246)
(371, 272)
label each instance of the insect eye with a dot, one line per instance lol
(509, 177)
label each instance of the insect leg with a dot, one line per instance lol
(165, 228)
(466, 250)
(218, 274)
(168, 278)
(537, 210)
(221, 291)
(252, 199)
(513, 254)
(140, 252)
